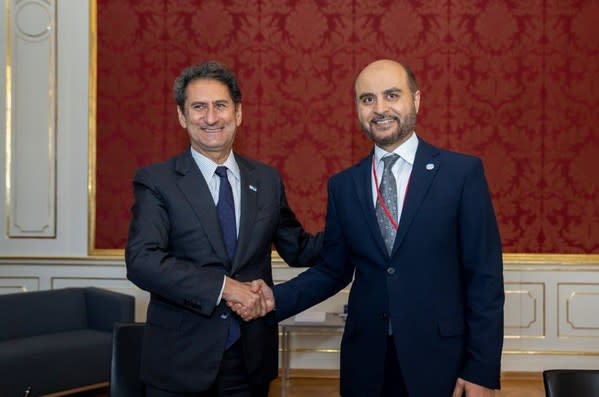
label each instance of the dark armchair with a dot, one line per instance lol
(58, 340)
(571, 382)
(126, 357)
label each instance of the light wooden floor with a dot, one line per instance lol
(513, 385)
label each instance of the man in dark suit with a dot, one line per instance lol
(203, 224)
(416, 225)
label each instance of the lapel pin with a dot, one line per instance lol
(253, 188)
(430, 166)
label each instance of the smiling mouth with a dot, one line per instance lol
(212, 129)
(383, 121)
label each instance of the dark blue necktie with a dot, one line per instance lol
(226, 216)
(226, 212)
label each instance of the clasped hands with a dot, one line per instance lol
(249, 300)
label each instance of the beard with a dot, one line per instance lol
(402, 131)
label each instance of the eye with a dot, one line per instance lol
(367, 100)
(199, 106)
(392, 96)
(221, 106)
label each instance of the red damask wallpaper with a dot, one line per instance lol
(514, 82)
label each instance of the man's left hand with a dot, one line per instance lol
(463, 388)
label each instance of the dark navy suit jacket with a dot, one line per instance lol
(441, 288)
(175, 251)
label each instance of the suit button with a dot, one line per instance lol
(224, 316)
(385, 316)
(390, 271)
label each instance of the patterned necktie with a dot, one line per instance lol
(226, 216)
(388, 191)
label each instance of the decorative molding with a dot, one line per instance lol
(572, 346)
(31, 141)
(550, 259)
(532, 261)
(525, 352)
(91, 168)
(9, 285)
(62, 261)
(530, 309)
(576, 300)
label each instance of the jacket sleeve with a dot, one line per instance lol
(151, 265)
(482, 264)
(296, 246)
(331, 272)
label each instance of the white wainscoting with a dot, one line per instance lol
(551, 311)
(551, 314)
(32, 274)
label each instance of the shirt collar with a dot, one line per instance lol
(406, 150)
(207, 166)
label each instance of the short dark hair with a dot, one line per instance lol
(210, 70)
(411, 79)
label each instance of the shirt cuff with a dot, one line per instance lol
(222, 289)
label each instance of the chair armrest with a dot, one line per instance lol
(105, 307)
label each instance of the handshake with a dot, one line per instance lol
(249, 300)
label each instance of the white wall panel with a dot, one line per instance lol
(44, 114)
(524, 310)
(32, 274)
(12, 285)
(541, 331)
(31, 119)
(578, 310)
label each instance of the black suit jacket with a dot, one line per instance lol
(175, 251)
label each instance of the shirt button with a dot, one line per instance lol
(390, 271)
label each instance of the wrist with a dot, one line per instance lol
(228, 288)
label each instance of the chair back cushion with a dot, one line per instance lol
(42, 312)
(127, 339)
(571, 383)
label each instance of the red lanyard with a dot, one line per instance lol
(380, 198)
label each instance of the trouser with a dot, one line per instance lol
(231, 380)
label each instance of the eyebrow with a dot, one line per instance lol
(386, 92)
(215, 102)
(393, 90)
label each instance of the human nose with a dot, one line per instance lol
(210, 115)
(380, 106)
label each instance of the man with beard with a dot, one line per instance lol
(416, 225)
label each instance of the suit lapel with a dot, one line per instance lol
(426, 165)
(249, 198)
(363, 184)
(194, 187)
